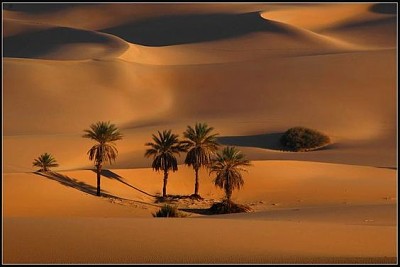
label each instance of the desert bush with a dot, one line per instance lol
(303, 139)
(227, 206)
(168, 211)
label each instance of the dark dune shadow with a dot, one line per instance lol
(38, 8)
(384, 8)
(74, 183)
(39, 43)
(382, 21)
(173, 30)
(267, 141)
(112, 175)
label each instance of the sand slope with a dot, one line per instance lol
(249, 70)
(340, 222)
(269, 185)
(211, 241)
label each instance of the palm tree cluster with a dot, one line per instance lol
(199, 143)
(201, 146)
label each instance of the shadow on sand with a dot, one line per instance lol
(74, 183)
(265, 141)
(173, 30)
(198, 211)
(112, 175)
(38, 8)
(89, 189)
(384, 8)
(38, 43)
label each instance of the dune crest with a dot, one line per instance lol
(58, 43)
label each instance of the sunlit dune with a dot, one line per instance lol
(283, 194)
(249, 70)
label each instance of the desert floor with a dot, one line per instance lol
(249, 70)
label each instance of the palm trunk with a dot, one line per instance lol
(165, 183)
(196, 183)
(228, 192)
(98, 179)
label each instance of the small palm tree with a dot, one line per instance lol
(228, 167)
(202, 145)
(45, 161)
(105, 134)
(163, 150)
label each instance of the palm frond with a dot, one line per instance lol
(105, 134)
(163, 149)
(228, 167)
(201, 145)
(45, 161)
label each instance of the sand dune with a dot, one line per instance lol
(363, 128)
(286, 210)
(370, 25)
(269, 185)
(377, 32)
(249, 70)
(59, 43)
(105, 15)
(174, 30)
(211, 241)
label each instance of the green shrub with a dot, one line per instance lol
(303, 139)
(227, 206)
(167, 211)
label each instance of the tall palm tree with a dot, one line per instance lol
(45, 161)
(163, 150)
(105, 134)
(201, 145)
(228, 167)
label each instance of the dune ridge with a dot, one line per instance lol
(58, 43)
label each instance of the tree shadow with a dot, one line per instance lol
(113, 175)
(86, 188)
(175, 198)
(74, 183)
(184, 29)
(198, 211)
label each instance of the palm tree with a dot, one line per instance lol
(45, 161)
(105, 134)
(202, 145)
(228, 167)
(163, 151)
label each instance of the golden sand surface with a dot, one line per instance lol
(251, 71)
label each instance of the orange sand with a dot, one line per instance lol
(331, 67)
